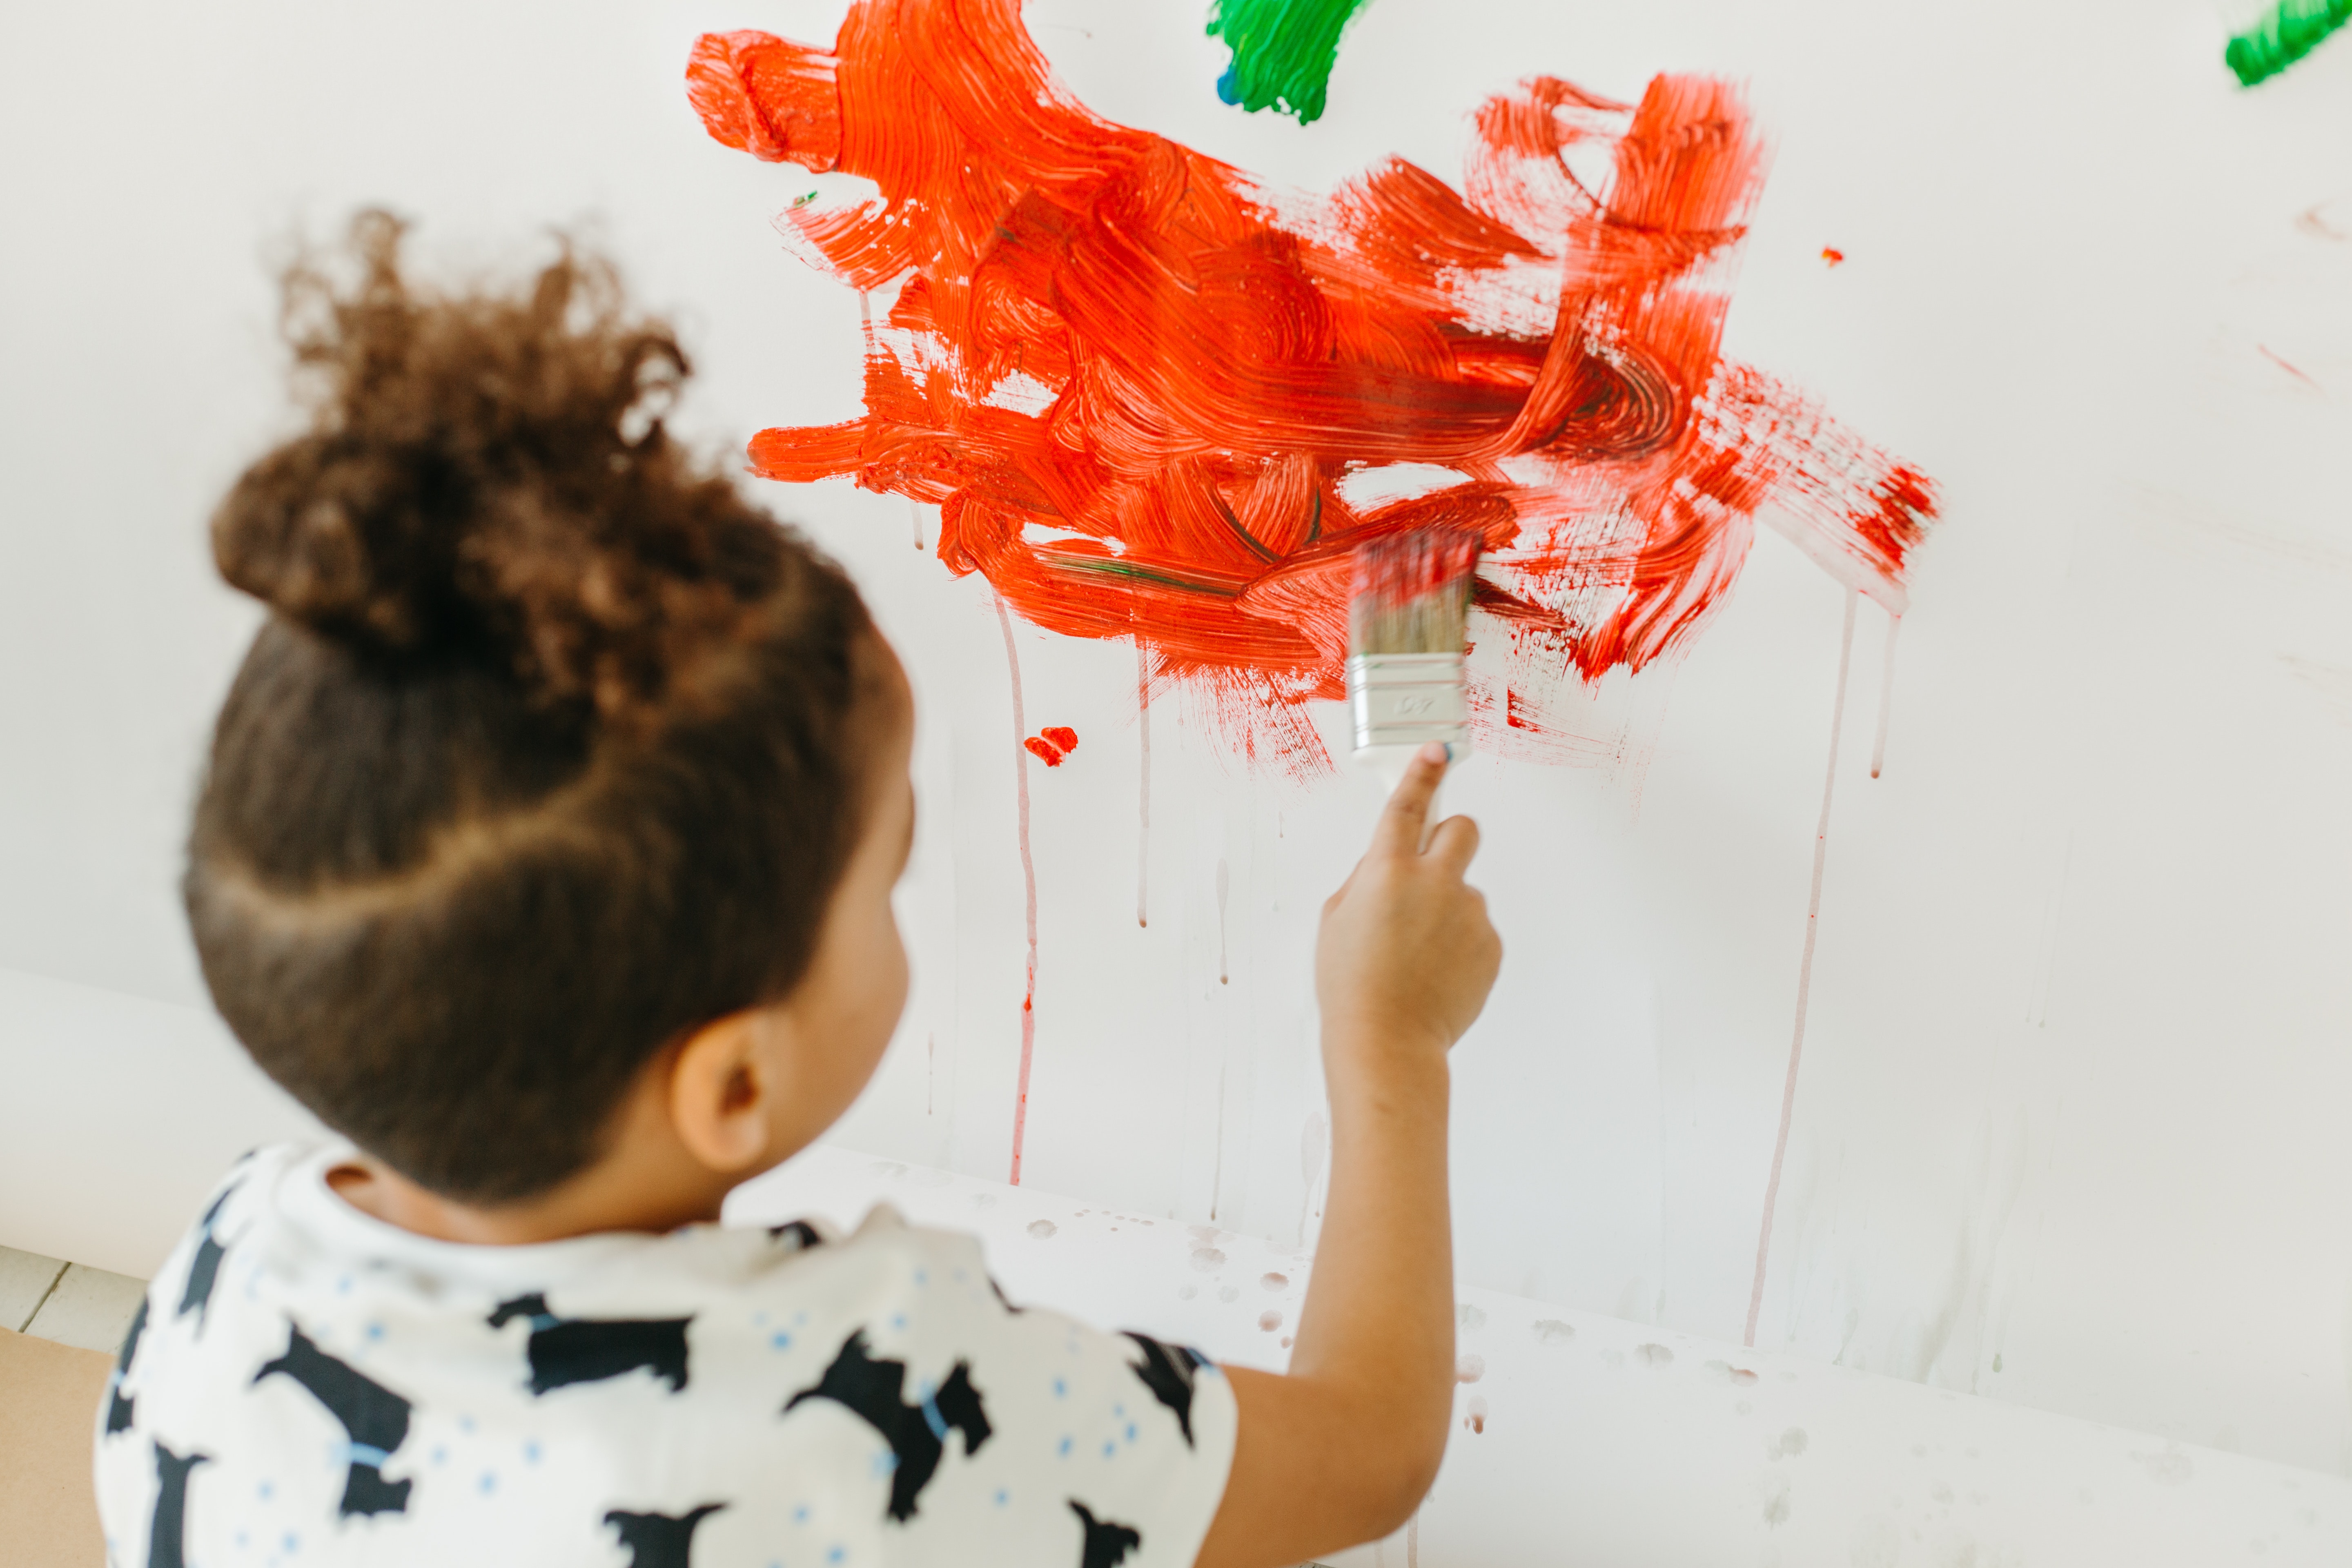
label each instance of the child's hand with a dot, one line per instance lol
(1406, 954)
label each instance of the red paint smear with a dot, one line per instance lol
(1133, 379)
(1043, 752)
(1060, 735)
(1832, 255)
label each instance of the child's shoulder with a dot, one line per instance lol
(300, 1354)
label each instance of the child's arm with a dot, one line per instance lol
(1341, 1449)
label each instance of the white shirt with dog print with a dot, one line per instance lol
(307, 1385)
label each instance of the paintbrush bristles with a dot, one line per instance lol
(1412, 592)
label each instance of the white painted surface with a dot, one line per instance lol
(1582, 1439)
(118, 1115)
(2069, 1125)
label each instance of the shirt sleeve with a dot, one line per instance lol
(1082, 1448)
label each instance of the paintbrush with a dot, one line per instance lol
(1407, 617)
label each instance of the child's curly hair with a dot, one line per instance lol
(549, 750)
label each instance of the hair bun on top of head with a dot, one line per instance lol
(485, 480)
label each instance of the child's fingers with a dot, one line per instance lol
(1455, 844)
(1407, 814)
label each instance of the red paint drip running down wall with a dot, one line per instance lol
(1145, 389)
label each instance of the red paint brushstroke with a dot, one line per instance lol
(1135, 380)
(1832, 255)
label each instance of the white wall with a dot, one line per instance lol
(2068, 1128)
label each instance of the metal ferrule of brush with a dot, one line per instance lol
(1409, 699)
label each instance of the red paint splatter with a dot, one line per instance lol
(1832, 255)
(1051, 745)
(1138, 382)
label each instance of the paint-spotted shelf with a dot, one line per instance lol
(1581, 1439)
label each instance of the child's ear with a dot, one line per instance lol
(721, 1089)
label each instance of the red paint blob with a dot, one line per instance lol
(1060, 735)
(1832, 255)
(1138, 382)
(1043, 751)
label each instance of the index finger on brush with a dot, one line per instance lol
(1407, 814)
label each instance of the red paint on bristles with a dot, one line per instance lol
(1410, 591)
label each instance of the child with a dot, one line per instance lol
(546, 853)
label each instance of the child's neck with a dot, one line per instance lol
(631, 1189)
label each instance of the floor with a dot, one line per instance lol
(59, 1326)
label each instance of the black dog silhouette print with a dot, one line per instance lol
(119, 1413)
(916, 1433)
(1107, 1541)
(204, 1270)
(565, 1351)
(659, 1539)
(167, 1534)
(1168, 1371)
(374, 1421)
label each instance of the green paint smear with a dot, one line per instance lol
(2292, 30)
(1283, 52)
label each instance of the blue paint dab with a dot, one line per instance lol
(780, 1340)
